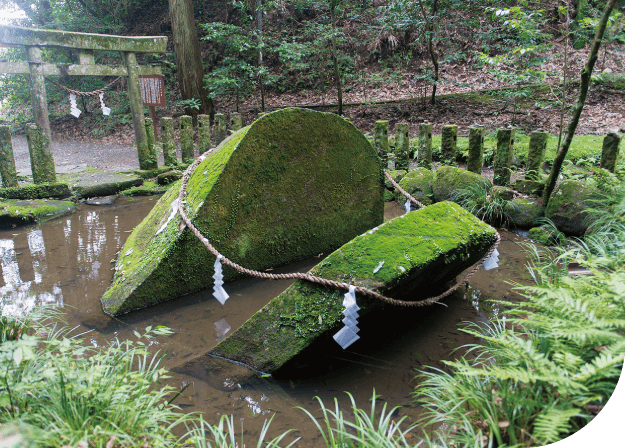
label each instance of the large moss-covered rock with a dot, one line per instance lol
(449, 179)
(293, 184)
(567, 204)
(546, 236)
(523, 212)
(423, 248)
(419, 184)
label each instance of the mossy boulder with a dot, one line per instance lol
(396, 175)
(150, 174)
(388, 196)
(169, 177)
(567, 204)
(421, 249)
(56, 190)
(500, 192)
(545, 236)
(529, 187)
(15, 212)
(419, 184)
(523, 212)
(148, 188)
(293, 184)
(449, 179)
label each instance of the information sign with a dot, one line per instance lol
(152, 90)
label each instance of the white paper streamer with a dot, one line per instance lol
(218, 291)
(378, 267)
(172, 212)
(105, 110)
(73, 107)
(492, 261)
(347, 335)
(407, 205)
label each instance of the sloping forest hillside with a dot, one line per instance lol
(409, 55)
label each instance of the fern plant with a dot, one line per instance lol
(538, 376)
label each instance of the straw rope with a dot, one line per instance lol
(309, 277)
(79, 93)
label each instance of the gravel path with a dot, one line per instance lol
(76, 156)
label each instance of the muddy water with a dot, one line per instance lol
(68, 262)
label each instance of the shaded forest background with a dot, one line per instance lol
(397, 52)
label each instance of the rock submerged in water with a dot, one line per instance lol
(423, 248)
(293, 184)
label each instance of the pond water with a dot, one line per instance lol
(68, 262)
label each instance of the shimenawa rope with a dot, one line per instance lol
(309, 277)
(79, 93)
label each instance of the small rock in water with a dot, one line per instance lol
(104, 200)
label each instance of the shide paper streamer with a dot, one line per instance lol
(492, 261)
(218, 291)
(407, 206)
(105, 110)
(348, 334)
(73, 107)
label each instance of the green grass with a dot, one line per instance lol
(582, 147)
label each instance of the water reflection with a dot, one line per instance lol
(62, 259)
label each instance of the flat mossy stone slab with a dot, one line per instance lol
(423, 248)
(94, 182)
(37, 191)
(16, 212)
(294, 183)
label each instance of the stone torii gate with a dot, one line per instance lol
(85, 43)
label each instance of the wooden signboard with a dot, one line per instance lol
(152, 90)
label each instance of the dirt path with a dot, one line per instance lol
(74, 156)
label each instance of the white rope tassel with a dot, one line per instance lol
(348, 334)
(105, 110)
(218, 291)
(73, 107)
(492, 262)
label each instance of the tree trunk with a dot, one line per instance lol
(579, 106)
(188, 59)
(430, 34)
(337, 73)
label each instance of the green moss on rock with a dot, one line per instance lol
(449, 179)
(293, 184)
(169, 177)
(396, 175)
(388, 196)
(545, 236)
(529, 187)
(504, 193)
(419, 184)
(14, 212)
(523, 212)
(567, 204)
(37, 191)
(423, 248)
